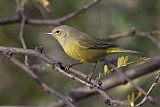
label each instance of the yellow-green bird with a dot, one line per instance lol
(84, 48)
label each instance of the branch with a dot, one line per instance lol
(11, 20)
(149, 91)
(57, 66)
(45, 87)
(77, 12)
(56, 22)
(135, 33)
(151, 99)
(22, 39)
(140, 70)
(20, 12)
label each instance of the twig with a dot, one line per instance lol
(58, 67)
(20, 13)
(149, 91)
(154, 40)
(107, 98)
(45, 87)
(77, 12)
(149, 66)
(135, 33)
(133, 84)
(22, 40)
(10, 20)
(55, 22)
(140, 70)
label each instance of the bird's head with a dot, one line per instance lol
(64, 33)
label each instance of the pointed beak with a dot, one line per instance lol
(49, 33)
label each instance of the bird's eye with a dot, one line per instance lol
(57, 31)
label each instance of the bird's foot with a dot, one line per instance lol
(70, 65)
(67, 67)
(98, 82)
(89, 78)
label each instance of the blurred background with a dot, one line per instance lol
(105, 18)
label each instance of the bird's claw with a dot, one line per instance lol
(89, 78)
(98, 82)
(67, 67)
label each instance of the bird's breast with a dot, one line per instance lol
(81, 54)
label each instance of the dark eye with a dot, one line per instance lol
(57, 31)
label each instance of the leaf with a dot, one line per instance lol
(132, 104)
(132, 97)
(125, 59)
(122, 61)
(106, 70)
(44, 3)
(119, 62)
(130, 100)
(139, 94)
(99, 75)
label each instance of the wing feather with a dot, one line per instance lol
(94, 43)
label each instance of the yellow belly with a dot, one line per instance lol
(82, 54)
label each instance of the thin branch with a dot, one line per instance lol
(45, 87)
(56, 65)
(55, 22)
(29, 52)
(77, 12)
(43, 9)
(149, 91)
(22, 39)
(151, 99)
(111, 82)
(20, 12)
(147, 67)
(107, 98)
(10, 20)
(154, 40)
(135, 33)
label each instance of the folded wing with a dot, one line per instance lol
(94, 43)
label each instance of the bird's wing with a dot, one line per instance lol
(93, 42)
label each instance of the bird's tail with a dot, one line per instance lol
(120, 50)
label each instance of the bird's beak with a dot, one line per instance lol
(49, 33)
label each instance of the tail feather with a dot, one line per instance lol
(120, 50)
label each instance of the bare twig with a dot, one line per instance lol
(149, 91)
(140, 70)
(154, 40)
(77, 12)
(20, 13)
(44, 10)
(135, 33)
(22, 40)
(20, 5)
(45, 87)
(149, 66)
(133, 84)
(55, 22)
(107, 98)
(59, 68)
(10, 20)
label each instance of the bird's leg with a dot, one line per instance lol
(94, 67)
(71, 65)
(89, 77)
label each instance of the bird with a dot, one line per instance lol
(82, 47)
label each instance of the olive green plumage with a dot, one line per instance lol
(82, 47)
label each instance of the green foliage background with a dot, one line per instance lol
(107, 17)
